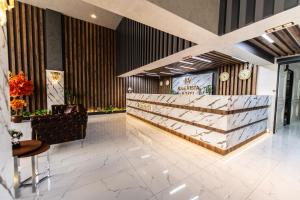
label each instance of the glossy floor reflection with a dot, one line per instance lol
(127, 159)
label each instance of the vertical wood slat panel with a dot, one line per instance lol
(91, 49)
(25, 25)
(89, 58)
(235, 86)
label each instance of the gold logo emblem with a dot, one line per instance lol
(187, 80)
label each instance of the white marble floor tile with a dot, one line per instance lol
(125, 158)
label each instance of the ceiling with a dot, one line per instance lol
(286, 42)
(201, 62)
(80, 10)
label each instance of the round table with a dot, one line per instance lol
(28, 148)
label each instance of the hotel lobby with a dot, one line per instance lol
(150, 99)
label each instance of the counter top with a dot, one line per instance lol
(217, 102)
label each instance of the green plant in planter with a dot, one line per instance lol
(41, 112)
(15, 137)
(26, 113)
(109, 109)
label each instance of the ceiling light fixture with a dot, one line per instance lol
(93, 16)
(277, 28)
(201, 59)
(238, 59)
(186, 62)
(266, 37)
(176, 72)
(166, 73)
(171, 68)
(187, 67)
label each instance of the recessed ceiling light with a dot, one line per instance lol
(186, 62)
(93, 16)
(201, 59)
(187, 67)
(266, 37)
(238, 59)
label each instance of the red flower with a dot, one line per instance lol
(19, 86)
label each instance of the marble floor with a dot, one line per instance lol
(127, 159)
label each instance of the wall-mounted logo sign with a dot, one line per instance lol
(193, 84)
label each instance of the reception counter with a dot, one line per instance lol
(219, 123)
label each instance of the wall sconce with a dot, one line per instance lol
(161, 83)
(4, 6)
(167, 82)
(55, 76)
(130, 90)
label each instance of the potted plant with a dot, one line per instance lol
(15, 138)
(18, 88)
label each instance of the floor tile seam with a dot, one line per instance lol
(259, 183)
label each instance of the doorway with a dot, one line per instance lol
(287, 106)
(288, 95)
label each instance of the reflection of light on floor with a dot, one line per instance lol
(177, 189)
(245, 148)
(194, 198)
(145, 156)
(165, 171)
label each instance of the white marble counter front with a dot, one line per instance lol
(220, 122)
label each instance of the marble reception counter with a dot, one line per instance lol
(219, 123)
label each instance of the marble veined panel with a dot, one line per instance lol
(248, 101)
(6, 161)
(55, 88)
(218, 102)
(220, 140)
(223, 122)
(204, 135)
(239, 136)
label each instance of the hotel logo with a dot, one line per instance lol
(187, 80)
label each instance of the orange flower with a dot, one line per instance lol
(17, 104)
(19, 86)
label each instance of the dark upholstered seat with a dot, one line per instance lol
(67, 123)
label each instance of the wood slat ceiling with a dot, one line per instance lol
(286, 42)
(217, 59)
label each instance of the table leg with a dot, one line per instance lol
(48, 160)
(16, 177)
(34, 174)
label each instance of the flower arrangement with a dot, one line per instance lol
(15, 137)
(17, 104)
(19, 87)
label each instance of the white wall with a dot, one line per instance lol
(266, 85)
(6, 162)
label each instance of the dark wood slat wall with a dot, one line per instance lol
(235, 86)
(26, 49)
(148, 85)
(165, 89)
(235, 14)
(90, 64)
(139, 45)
